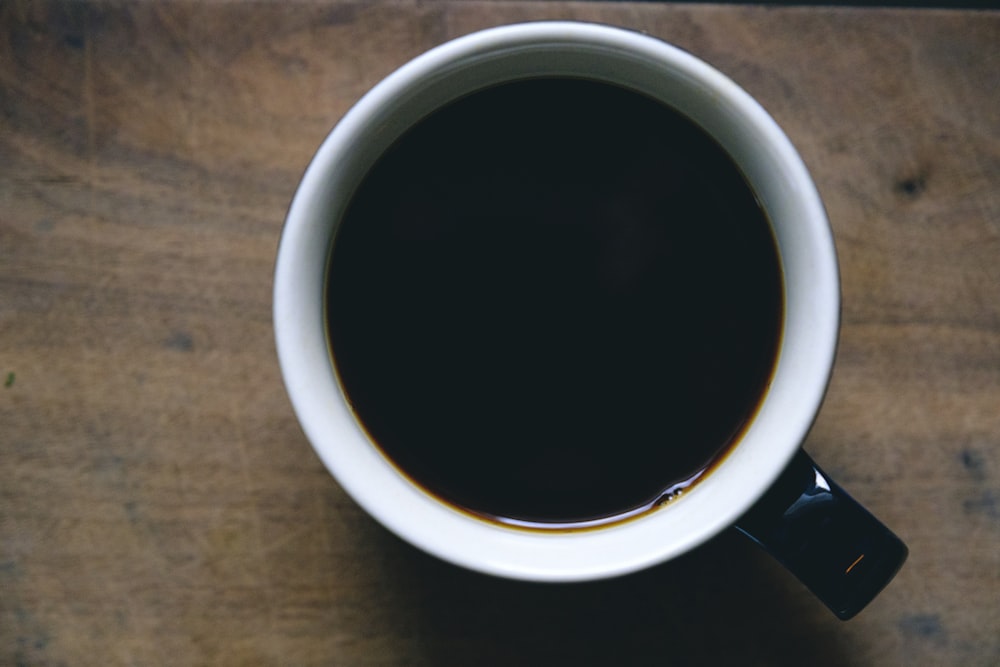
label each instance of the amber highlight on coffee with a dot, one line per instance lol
(554, 302)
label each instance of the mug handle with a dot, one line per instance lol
(842, 553)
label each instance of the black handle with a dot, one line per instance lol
(843, 554)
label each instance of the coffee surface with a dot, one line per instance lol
(554, 301)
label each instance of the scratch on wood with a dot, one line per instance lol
(974, 463)
(985, 504)
(928, 627)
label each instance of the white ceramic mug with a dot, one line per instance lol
(767, 446)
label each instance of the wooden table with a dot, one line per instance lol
(158, 502)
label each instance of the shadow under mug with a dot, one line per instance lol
(766, 486)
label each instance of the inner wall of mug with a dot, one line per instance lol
(773, 169)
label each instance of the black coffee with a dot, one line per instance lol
(554, 301)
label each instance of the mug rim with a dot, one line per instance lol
(787, 410)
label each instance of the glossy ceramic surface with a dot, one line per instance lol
(557, 48)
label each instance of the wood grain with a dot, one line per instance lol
(158, 502)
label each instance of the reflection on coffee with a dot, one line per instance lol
(554, 301)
